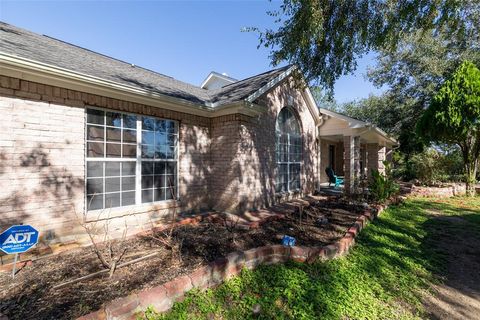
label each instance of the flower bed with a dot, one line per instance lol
(32, 294)
(161, 298)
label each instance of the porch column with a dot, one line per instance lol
(351, 163)
(375, 158)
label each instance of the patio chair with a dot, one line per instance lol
(332, 178)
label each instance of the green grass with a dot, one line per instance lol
(395, 258)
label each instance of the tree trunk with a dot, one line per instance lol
(471, 173)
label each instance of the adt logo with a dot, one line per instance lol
(18, 239)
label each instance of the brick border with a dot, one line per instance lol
(162, 297)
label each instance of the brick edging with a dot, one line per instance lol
(162, 297)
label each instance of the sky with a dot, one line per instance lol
(182, 39)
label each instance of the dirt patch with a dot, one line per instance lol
(31, 294)
(458, 296)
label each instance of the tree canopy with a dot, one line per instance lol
(454, 116)
(324, 37)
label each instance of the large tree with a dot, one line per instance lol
(325, 37)
(453, 117)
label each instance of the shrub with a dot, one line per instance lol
(381, 186)
(433, 166)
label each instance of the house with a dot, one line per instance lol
(87, 136)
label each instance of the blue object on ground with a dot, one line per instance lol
(288, 241)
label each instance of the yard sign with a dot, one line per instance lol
(18, 239)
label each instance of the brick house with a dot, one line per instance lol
(84, 133)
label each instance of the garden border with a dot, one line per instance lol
(162, 297)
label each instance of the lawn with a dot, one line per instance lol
(387, 275)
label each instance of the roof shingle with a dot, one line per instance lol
(22, 43)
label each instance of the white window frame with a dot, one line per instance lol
(138, 159)
(278, 135)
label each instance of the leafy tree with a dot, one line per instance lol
(453, 117)
(324, 37)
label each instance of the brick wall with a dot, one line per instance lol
(243, 154)
(227, 162)
(42, 159)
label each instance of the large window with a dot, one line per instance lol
(130, 159)
(288, 151)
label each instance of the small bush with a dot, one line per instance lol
(381, 186)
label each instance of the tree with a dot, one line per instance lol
(325, 37)
(453, 117)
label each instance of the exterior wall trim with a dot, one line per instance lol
(30, 70)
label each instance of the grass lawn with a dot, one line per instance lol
(385, 276)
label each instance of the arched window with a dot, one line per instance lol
(288, 151)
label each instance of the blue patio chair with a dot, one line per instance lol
(332, 178)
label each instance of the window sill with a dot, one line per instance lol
(118, 212)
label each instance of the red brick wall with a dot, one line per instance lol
(227, 162)
(243, 154)
(42, 168)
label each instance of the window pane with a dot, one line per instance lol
(147, 167)
(95, 133)
(148, 137)
(160, 152)
(159, 194)
(160, 126)
(112, 200)
(128, 183)
(95, 202)
(170, 152)
(294, 177)
(171, 166)
(112, 184)
(95, 116)
(113, 150)
(129, 121)
(147, 182)
(169, 194)
(148, 124)
(160, 138)
(95, 186)
(114, 134)
(112, 169)
(159, 167)
(128, 198)
(159, 181)
(128, 168)
(147, 195)
(129, 151)
(113, 119)
(148, 151)
(170, 126)
(95, 149)
(172, 140)
(129, 136)
(94, 169)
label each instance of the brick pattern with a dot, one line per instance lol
(42, 167)
(162, 297)
(227, 163)
(375, 157)
(243, 154)
(351, 163)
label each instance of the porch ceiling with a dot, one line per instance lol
(335, 126)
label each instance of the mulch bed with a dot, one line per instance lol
(32, 296)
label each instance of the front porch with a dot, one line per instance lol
(352, 149)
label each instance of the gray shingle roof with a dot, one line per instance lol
(44, 49)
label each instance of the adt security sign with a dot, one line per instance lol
(18, 239)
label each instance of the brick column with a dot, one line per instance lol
(375, 158)
(351, 162)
